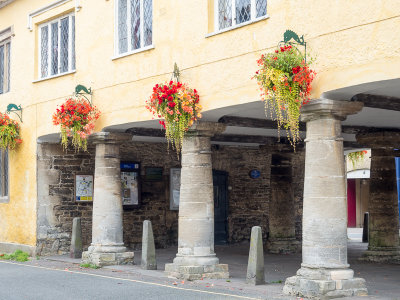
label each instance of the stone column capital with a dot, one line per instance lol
(379, 139)
(322, 108)
(109, 137)
(206, 129)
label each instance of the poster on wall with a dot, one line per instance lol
(130, 184)
(175, 187)
(83, 188)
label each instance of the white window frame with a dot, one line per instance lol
(4, 197)
(71, 52)
(234, 25)
(142, 48)
(6, 65)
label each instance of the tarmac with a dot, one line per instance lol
(383, 280)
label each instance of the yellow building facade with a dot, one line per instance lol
(355, 46)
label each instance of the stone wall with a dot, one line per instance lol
(248, 199)
(298, 161)
(56, 205)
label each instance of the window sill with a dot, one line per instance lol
(4, 199)
(133, 52)
(55, 76)
(237, 26)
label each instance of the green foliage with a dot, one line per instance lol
(91, 266)
(18, 255)
(356, 157)
(285, 81)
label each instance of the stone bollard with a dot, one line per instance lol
(76, 240)
(148, 249)
(255, 266)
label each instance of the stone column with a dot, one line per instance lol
(383, 202)
(196, 258)
(281, 206)
(324, 270)
(107, 246)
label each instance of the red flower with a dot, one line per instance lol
(171, 104)
(296, 69)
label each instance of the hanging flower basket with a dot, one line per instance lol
(179, 106)
(356, 157)
(285, 82)
(9, 132)
(76, 117)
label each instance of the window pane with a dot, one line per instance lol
(8, 53)
(243, 8)
(135, 24)
(44, 51)
(54, 48)
(5, 173)
(122, 26)
(224, 13)
(73, 67)
(64, 43)
(148, 22)
(2, 52)
(261, 8)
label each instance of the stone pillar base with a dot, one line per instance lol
(219, 271)
(107, 258)
(382, 255)
(283, 246)
(325, 284)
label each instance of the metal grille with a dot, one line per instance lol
(73, 67)
(261, 8)
(243, 11)
(5, 173)
(122, 26)
(224, 13)
(54, 48)
(135, 24)
(148, 22)
(64, 44)
(2, 52)
(44, 49)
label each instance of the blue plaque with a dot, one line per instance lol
(255, 174)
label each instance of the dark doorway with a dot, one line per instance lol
(220, 181)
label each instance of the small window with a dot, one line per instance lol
(134, 25)
(5, 50)
(234, 12)
(57, 47)
(3, 175)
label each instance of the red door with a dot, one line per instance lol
(351, 203)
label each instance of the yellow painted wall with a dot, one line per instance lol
(353, 42)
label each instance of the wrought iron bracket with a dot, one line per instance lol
(13, 108)
(81, 90)
(291, 38)
(176, 73)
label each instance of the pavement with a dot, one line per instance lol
(60, 277)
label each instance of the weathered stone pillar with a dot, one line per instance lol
(107, 246)
(281, 206)
(383, 204)
(324, 270)
(196, 258)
